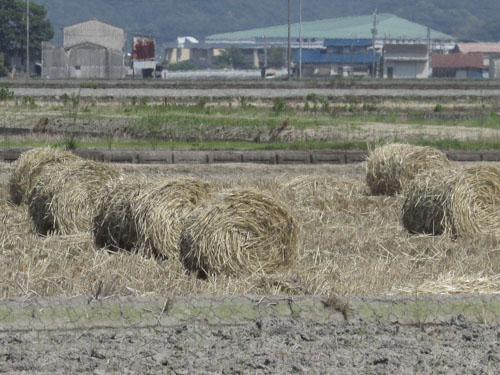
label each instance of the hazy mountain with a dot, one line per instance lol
(167, 19)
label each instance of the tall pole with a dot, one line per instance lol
(289, 52)
(27, 39)
(300, 39)
(374, 35)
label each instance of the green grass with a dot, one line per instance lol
(444, 144)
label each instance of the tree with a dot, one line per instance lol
(276, 57)
(231, 57)
(13, 28)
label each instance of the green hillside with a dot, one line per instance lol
(167, 19)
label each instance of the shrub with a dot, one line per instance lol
(279, 105)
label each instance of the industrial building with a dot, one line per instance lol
(91, 49)
(255, 43)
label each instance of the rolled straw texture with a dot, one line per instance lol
(240, 232)
(29, 166)
(161, 211)
(391, 168)
(64, 198)
(460, 201)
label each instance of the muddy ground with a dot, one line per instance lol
(260, 336)
(275, 346)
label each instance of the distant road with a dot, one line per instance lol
(41, 92)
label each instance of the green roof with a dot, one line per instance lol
(388, 25)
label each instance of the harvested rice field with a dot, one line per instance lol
(348, 242)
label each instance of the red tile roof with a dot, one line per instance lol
(458, 60)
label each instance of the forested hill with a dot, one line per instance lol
(167, 19)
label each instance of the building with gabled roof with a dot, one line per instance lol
(91, 49)
(458, 65)
(406, 61)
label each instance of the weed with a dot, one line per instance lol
(6, 94)
(71, 141)
(29, 100)
(307, 107)
(325, 105)
(65, 98)
(203, 102)
(438, 108)
(133, 100)
(279, 105)
(339, 305)
(88, 85)
(312, 97)
(243, 100)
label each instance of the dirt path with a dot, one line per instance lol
(254, 92)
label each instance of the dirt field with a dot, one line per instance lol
(260, 335)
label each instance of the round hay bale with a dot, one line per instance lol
(162, 209)
(390, 168)
(29, 166)
(64, 197)
(460, 201)
(114, 225)
(240, 232)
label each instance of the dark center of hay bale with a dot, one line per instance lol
(240, 232)
(391, 168)
(29, 166)
(460, 201)
(64, 198)
(114, 225)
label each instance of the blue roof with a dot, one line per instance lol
(321, 56)
(347, 42)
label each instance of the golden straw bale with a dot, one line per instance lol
(64, 198)
(114, 225)
(240, 232)
(390, 168)
(460, 201)
(162, 209)
(29, 165)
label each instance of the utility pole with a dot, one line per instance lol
(289, 52)
(300, 39)
(27, 39)
(429, 48)
(374, 35)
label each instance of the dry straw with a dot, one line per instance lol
(240, 232)
(64, 198)
(114, 226)
(29, 166)
(461, 201)
(162, 209)
(390, 168)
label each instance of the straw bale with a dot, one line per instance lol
(29, 166)
(64, 198)
(239, 232)
(460, 201)
(390, 168)
(114, 225)
(162, 209)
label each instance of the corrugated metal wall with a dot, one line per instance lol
(95, 32)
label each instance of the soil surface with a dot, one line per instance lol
(251, 335)
(272, 346)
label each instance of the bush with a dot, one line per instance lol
(312, 97)
(438, 108)
(6, 94)
(279, 105)
(183, 65)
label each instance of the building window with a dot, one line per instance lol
(78, 67)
